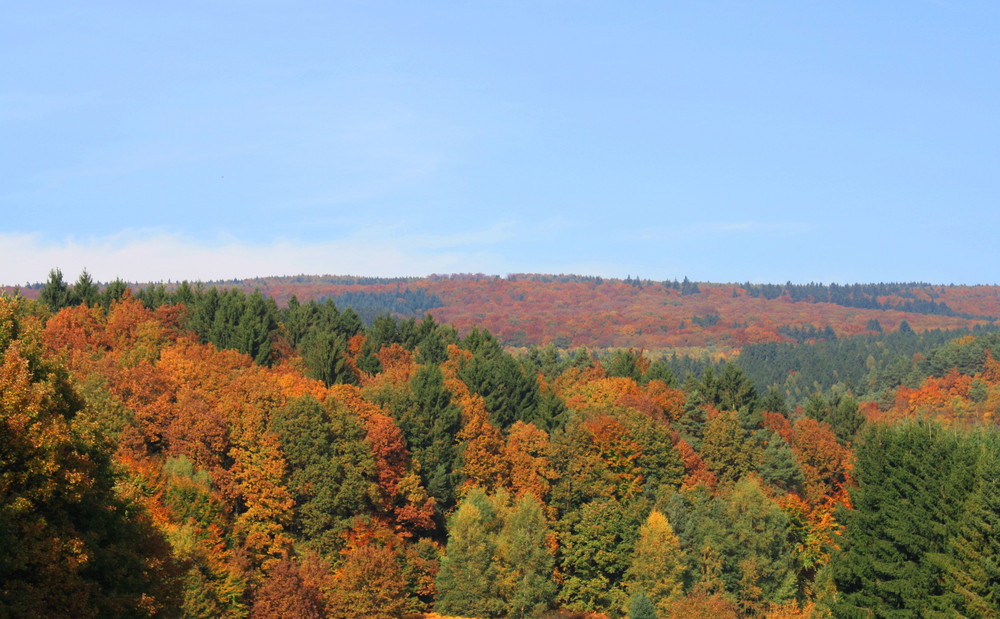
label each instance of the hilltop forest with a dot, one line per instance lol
(534, 446)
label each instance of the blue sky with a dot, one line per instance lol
(722, 141)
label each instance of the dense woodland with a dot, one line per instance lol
(202, 451)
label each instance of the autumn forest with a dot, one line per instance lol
(475, 446)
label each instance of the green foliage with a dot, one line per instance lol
(598, 547)
(429, 422)
(468, 581)
(331, 470)
(641, 607)
(727, 449)
(778, 466)
(839, 410)
(325, 354)
(55, 293)
(527, 585)
(511, 394)
(914, 482)
(624, 363)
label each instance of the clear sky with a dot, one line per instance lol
(722, 141)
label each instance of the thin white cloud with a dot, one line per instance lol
(160, 256)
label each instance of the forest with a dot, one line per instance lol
(264, 448)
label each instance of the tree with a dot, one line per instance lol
(641, 607)
(325, 353)
(658, 563)
(726, 448)
(331, 470)
(55, 293)
(72, 545)
(468, 581)
(84, 291)
(285, 594)
(430, 422)
(527, 585)
(778, 465)
(597, 554)
(974, 572)
(758, 562)
(912, 481)
(369, 582)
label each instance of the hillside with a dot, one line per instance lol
(571, 311)
(239, 459)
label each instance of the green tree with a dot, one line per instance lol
(758, 560)
(55, 293)
(727, 449)
(974, 571)
(597, 554)
(468, 579)
(912, 481)
(331, 470)
(779, 467)
(430, 422)
(325, 353)
(527, 585)
(641, 607)
(85, 291)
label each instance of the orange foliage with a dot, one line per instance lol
(483, 464)
(825, 463)
(526, 451)
(697, 470)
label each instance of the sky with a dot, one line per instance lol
(721, 141)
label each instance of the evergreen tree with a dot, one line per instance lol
(112, 292)
(597, 554)
(325, 353)
(779, 467)
(974, 572)
(430, 423)
(912, 481)
(758, 565)
(331, 470)
(55, 293)
(84, 291)
(641, 607)
(727, 449)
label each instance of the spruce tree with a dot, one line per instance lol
(912, 481)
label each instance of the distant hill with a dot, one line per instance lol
(571, 311)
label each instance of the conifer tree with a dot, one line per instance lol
(641, 607)
(974, 572)
(910, 487)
